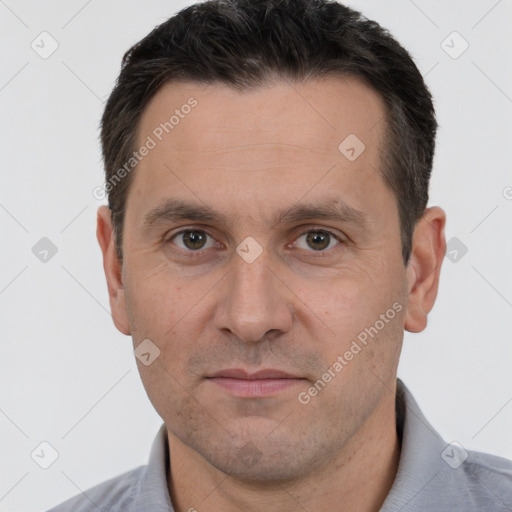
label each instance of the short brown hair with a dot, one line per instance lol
(243, 42)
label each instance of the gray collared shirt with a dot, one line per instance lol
(432, 476)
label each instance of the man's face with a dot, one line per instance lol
(262, 161)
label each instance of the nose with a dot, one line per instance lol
(255, 301)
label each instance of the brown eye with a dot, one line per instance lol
(317, 240)
(192, 240)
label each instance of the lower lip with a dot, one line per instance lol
(246, 388)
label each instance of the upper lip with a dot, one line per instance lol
(259, 375)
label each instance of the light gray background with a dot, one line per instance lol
(69, 378)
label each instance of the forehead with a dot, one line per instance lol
(268, 143)
(309, 115)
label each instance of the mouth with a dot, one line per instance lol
(263, 383)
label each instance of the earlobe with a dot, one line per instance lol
(424, 267)
(113, 269)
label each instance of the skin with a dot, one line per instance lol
(295, 308)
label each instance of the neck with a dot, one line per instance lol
(358, 478)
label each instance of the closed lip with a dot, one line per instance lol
(259, 375)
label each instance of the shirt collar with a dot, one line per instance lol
(152, 492)
(420, 455)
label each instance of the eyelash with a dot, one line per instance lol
(200, 252)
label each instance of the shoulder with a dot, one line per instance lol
(112, 495)
(488, 479)
(435, 475)
(477, 481)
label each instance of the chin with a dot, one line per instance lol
(259, 460)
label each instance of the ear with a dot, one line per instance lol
(424, 267)
(113, 269)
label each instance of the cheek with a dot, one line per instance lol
(155, 319)
(155, 300)
(366, 304)
(169, 393)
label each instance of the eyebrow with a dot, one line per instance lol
(173, 210)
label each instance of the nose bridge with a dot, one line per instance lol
(254, 301)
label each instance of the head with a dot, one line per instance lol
(271, 215)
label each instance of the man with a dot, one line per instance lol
(266, 244)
